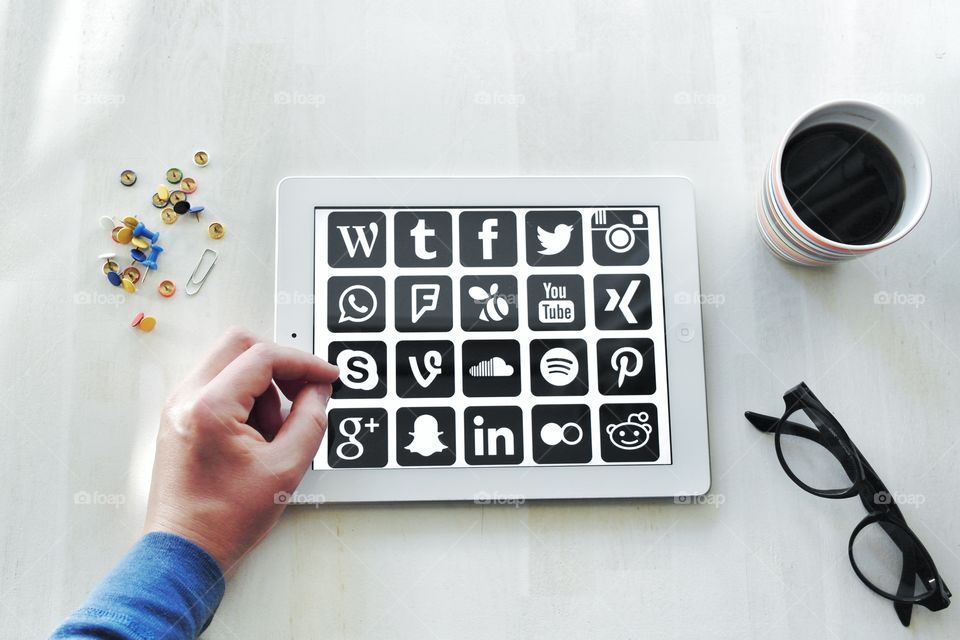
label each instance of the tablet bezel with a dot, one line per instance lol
(294, 325)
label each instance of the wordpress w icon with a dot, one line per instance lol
(356, 239)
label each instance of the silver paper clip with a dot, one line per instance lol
(193, 284)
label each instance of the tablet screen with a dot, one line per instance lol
(492, 337)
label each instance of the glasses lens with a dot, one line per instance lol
(814, 455)
(879, 552)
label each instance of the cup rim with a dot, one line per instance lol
(923, 162)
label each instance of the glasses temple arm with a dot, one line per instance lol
(767, 424)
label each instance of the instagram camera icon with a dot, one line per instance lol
(620, 237)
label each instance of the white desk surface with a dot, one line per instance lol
(465, 88)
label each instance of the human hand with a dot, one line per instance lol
(224, 450)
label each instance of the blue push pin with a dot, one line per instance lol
(114, 278)
(141, 257)
(151, 262)
(196, 212)
(141, 231)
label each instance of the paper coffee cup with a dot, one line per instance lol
(790, 238)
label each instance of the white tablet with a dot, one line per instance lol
(499, 339)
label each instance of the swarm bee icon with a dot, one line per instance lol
(495, 306)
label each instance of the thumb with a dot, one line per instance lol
(301, 433)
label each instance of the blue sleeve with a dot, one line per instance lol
(166, 587)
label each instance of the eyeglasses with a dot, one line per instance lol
(819, 456)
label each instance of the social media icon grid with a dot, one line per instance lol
(485, 337)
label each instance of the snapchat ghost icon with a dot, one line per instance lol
(426, 436)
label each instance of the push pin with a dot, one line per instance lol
(122, 234)
(109, 263)
(141, 231)
(114, 278)
(168, 215)
(140, 243)
(201, 158)
(177, 196)
(128, 285)
(167, 288)
(131, 221)
(196, 211)
(128, 177)
(109, 223)
(144, 323)
(181, 207)
(151, 262)
(159, 202)
(215, 230)
(174, 175)
(189, 185)
(163, 192)
(138, 256)
(132, 273)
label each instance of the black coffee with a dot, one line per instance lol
(843, 183)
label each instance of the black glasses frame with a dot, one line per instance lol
(874, 495)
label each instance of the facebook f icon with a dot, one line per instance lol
(488, 238)
(487, 235)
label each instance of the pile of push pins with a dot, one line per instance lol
(146, 248)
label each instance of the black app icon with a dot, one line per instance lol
(628, 433)
(620, 237)
(423, 303)
(363, 369)
(488, 238)
(554, 238)
(425, 368)
(561, 434)
(356, 239)
(426, 437)
(559, 367)
(555, 303)
(357, 438)
(622, 301)
(626, 367)
(489, 303)
(493, 435)
(355, 304)
(423, 239)
(491, 368)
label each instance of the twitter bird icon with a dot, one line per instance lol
(553, 242)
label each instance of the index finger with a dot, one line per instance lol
(230, 345)
(252, 372)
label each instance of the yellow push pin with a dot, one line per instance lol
(122, 235)
(144, 323)
(109, 263)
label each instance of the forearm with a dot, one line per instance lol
(165, 587)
